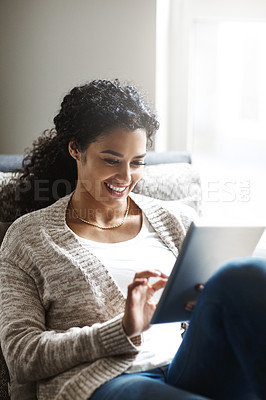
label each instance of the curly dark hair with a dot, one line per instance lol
(88, 111)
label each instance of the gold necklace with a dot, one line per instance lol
(99, 226)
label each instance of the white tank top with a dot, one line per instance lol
(123, 260)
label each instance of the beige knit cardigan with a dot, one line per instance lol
(60, 310)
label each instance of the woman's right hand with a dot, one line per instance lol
(140, 307)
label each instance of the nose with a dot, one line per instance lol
(124, 173)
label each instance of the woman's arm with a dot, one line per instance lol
(31, 352)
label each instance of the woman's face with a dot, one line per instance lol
(110, 167)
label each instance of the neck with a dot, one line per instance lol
(99, 212)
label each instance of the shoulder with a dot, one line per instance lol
(174, 209)
(184, 213)
(24, 226)
(170, 219)
(30, 227)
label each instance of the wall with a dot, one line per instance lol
(47, 47)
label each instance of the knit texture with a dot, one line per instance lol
(61, 311)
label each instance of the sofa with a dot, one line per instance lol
(169, 176)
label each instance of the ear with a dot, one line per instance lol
(73, 150)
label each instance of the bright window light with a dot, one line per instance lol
(227, 117)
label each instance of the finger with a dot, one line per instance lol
(199, 287)
(150, 273)
(151, 303)
(189, 306)
(137, 282)
(159, 284)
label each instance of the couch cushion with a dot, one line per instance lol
(5, 177)
(172, 182)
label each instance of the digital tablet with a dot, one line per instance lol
(203, 251)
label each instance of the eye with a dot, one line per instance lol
(111, 161)
(138, 163)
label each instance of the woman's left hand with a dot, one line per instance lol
(140, 307)
(190, 305)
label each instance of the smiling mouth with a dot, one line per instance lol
(116, 189)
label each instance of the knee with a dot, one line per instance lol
(242, 270)
(238, 278)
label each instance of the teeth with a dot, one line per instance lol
(116, 188)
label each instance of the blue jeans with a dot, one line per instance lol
(223, 353)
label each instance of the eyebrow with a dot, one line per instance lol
(114, 153)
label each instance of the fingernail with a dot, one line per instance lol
(199, 287)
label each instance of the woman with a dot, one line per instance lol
(70, 328)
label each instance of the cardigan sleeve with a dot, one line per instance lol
(31, 352)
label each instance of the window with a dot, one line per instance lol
(227, 114)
